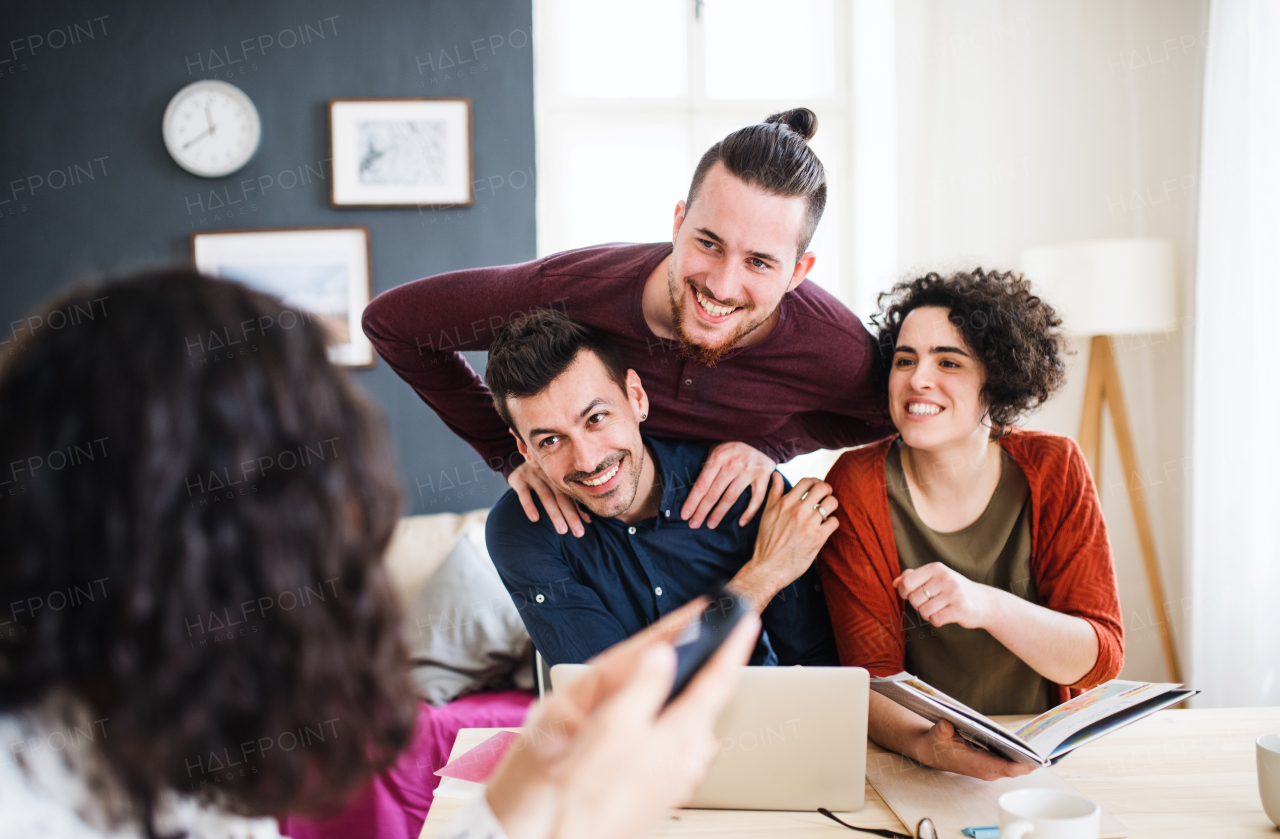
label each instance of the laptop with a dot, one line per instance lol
(792, 738)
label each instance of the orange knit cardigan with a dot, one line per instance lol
(1070, 555)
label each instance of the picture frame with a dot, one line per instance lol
(323, 271)
(400, 152)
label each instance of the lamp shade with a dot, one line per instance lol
(1107, 286)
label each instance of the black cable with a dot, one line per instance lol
(888, 834)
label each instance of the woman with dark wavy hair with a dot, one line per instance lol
(974, 553)
(197, 630)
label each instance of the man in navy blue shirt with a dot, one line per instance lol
(575, 411)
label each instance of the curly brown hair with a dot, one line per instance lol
(1015, 335)
(192, 545)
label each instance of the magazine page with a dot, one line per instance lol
(933, 705)
(907, 690)
(907, 680)
(1047, 731)
(1109, 724)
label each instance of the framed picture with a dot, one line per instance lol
(400, 152)
(320, 270)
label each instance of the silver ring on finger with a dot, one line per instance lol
(821, 512)
(927, 595)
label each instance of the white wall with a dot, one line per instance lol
(1029, 122)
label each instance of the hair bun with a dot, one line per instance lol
(800, 120)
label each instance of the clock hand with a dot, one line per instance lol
(197, 138)
(208, 115)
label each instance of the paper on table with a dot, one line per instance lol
(953, 802)
(477, 764)
(457, 788)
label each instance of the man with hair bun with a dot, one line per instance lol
(733, 346)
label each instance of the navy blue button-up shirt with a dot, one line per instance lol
(580, 596)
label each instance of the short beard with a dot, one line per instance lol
(707, 356)
(637, 468)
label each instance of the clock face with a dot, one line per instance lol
(211, 128)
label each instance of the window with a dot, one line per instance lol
(630, 94)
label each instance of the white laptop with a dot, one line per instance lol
(792, 738)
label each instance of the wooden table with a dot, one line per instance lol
(1175, 775)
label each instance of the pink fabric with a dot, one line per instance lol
(394, 804)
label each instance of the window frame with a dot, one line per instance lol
(700, 114)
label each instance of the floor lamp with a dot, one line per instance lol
(1104, 288)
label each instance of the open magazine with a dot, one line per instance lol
(1041, 741)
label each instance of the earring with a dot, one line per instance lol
(644, 417)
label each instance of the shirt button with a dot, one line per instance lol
(539, 598)
(688, 382)
(667, 513)
(631, 530)
(658, 591)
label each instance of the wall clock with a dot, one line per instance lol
(211, 128)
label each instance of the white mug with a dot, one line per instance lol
(1269, 775)
(1048, 814)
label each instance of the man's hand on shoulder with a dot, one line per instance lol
(730, 469)
(793, 528)
(528, 480)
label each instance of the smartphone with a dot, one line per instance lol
(701, 638)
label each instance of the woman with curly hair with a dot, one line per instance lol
(197, 630)
(972, 553)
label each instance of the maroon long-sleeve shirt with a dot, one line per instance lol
(809, 384)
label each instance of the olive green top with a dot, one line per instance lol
(969, 664)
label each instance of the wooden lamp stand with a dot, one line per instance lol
(1103, 386)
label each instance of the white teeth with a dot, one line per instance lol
(711, 308)
(606, 477)
(922, 409)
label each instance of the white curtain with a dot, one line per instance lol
(1235, 528)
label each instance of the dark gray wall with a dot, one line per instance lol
(97, 102)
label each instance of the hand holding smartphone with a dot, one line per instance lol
(702, 637)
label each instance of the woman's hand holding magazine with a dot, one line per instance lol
(1044, 739)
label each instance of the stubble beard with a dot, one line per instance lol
(680, 316)
(621, 499)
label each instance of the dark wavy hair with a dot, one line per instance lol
(1014, 334)
(775, 156)
(528, 353)
(197, 507)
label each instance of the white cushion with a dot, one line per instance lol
(420, 544)
(463, 630)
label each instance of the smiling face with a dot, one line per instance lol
(935, 384)
(583, 430)
(734, 257)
